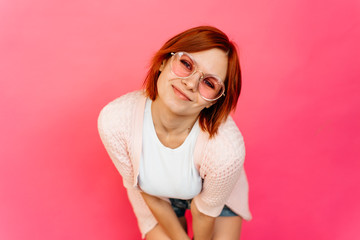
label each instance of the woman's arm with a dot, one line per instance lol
(165, 216)
(220, 168)
(203, 225)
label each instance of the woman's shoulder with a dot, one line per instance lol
(119, 113)
(227, 146)
(229, 132)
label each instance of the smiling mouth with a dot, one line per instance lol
(180, 94)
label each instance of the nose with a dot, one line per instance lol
(192, 82)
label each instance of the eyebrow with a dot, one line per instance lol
(205, 73)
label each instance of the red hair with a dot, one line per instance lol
(195, 40)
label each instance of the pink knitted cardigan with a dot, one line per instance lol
(219, 160)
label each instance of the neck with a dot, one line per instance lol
(170, 123)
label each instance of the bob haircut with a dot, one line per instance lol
(194, 40)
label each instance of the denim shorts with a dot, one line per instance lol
(180, 207)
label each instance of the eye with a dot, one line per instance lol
(186, 64)
(209, 83)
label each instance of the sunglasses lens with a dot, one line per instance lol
(210, 88)
(183, 66)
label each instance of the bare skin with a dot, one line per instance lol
(204, 227)
(169, 226)
(225, 228)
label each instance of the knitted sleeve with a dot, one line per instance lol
(113, 126)
(221, 167)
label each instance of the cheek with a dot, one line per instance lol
(209, 104)
(160, 81)
(162, 85)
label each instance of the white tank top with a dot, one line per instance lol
(167, 172)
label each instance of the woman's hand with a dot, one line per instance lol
(166, 217)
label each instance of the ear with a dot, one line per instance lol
(162, 65)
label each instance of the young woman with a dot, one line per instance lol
(175, 145)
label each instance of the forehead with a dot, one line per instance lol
(212, 61)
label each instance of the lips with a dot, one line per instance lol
(180, 94)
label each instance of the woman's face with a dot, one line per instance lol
(181, 96)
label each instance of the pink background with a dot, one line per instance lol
(62, 61)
